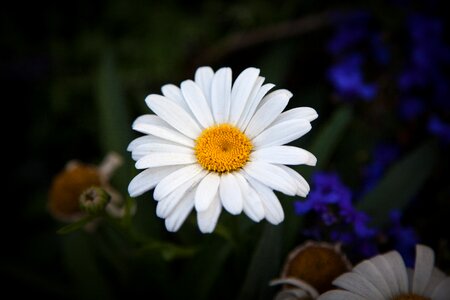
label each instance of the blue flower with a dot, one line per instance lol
(404, 238)
(382, 157)
(347, 78)
(352, 30)
(331, 203)
(411, 108)
(439, 128)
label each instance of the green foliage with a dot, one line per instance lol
(400, 184)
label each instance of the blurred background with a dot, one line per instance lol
(75, 76)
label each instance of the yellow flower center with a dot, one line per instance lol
(410, 297)
(222, 148)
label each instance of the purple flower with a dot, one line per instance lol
(411, 108)
(404, 238)
(347, 78)
(330, 202)
(440, 129)
(382, 157)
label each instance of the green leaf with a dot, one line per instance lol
(168, 251)
(203, 270)
(88, 282)
(400, 184)
(265, 264)
(326, 142)
(76, 225)
(115, 130)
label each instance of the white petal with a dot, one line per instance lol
(180, 213)
(298, 113)
(206, 191)
(271, 175)
(174, 115)
(436, 277)
(384, 266)
(167, 204)
(173, 93)
(207, 219)
(148, 179)
(359, 285)
(230, 194)
(253, 102)
(340, 295)
(169, 183)
(300, 285)
(397, 264)
(252, 204)
(146, 139)
(154, 125)
(250, 102)
(281, 133)
(203, 77)
(369, 271)
(165, 146)
(197, 103)
(273, 105)
(240, 93)
(160, 159)
(221, 95)
(422, 269)
(272, 207)
(442, 291)
(286, 155)
(302, 185)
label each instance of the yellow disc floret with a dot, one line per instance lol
(222, 148)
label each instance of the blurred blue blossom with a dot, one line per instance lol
(352, 30)
(411, 108)
(331, 201)
(347, 74)
(383, 156)
(348, 79)
(404, 238)
(440, 129)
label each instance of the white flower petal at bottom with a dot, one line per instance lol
(206, 191)
(442, 291)
(359, 285)
(370, 271)
(273, 210)
(423, 269)
(230, 193)
(166, 205)
(180, 213)
(207, 219)
(176, 179)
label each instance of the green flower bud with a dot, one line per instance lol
(94, 200)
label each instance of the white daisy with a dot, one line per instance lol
(212, 143)
(385, 277)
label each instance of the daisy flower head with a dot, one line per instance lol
(385, 277)
(214, 143)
